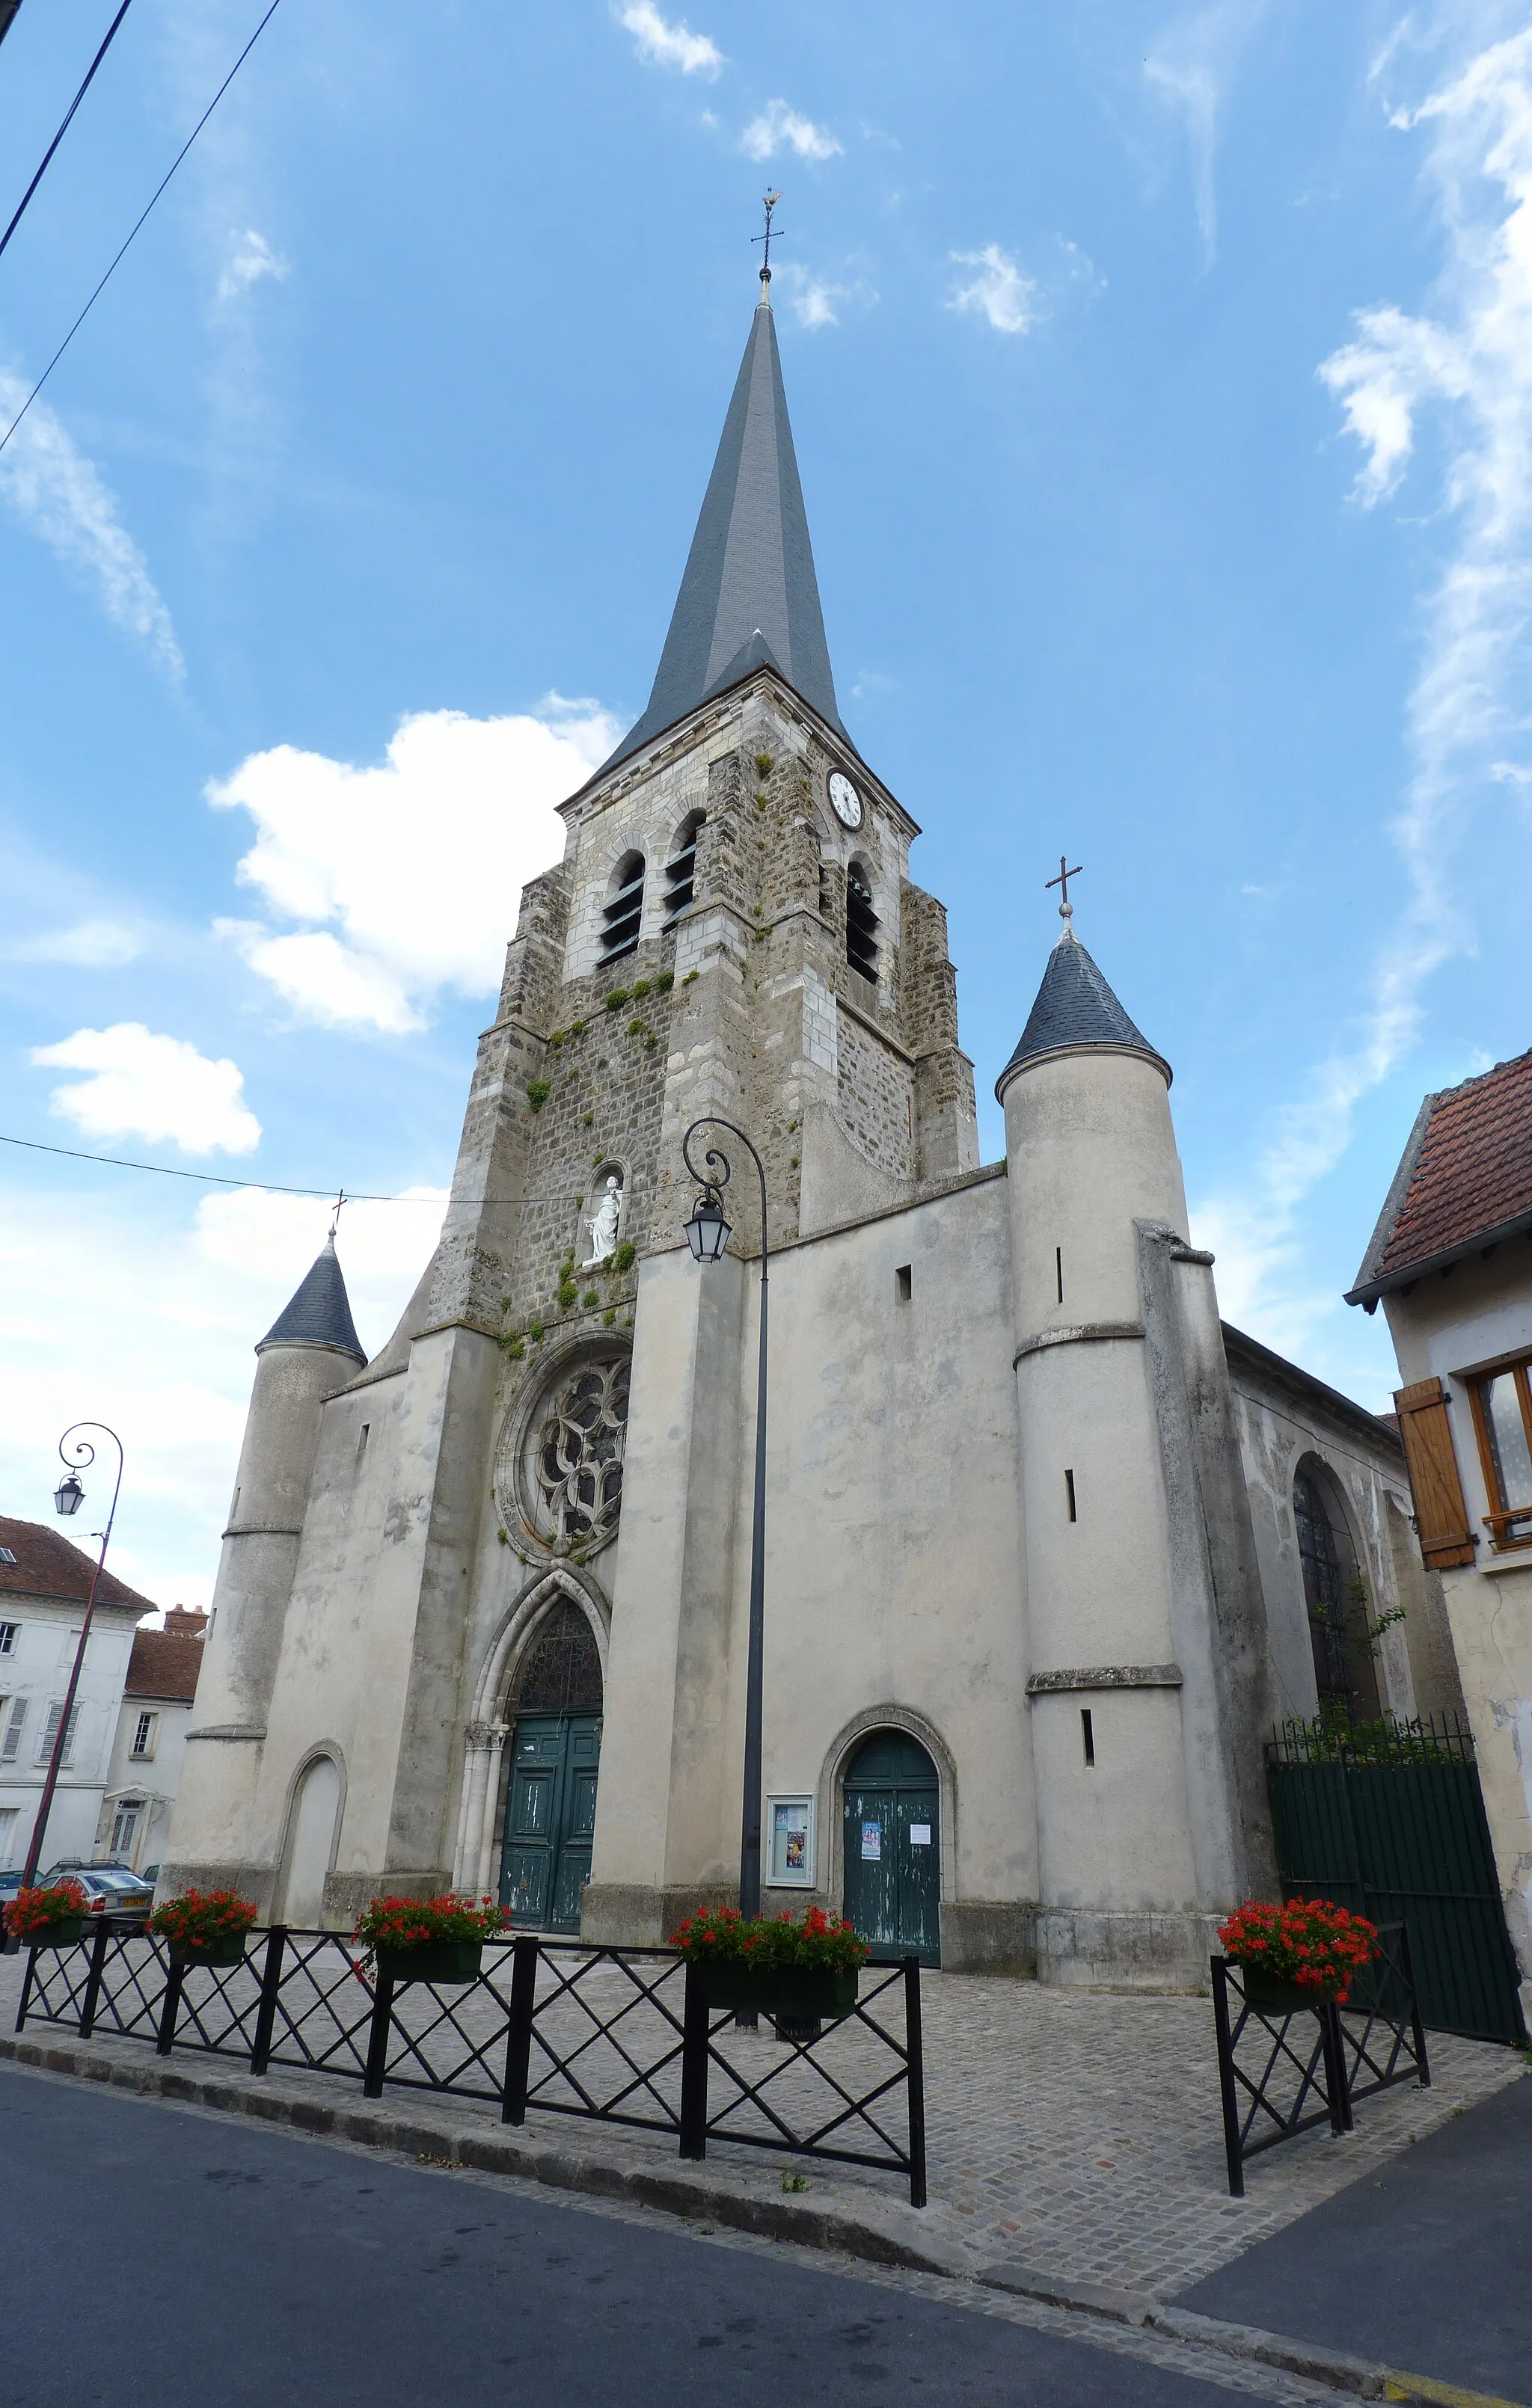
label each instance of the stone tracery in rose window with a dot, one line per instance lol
(578, 1452)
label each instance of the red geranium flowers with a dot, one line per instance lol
(1310, 1940)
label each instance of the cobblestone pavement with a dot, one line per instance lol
(1076, 2132)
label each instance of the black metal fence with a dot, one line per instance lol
(619, 2035)
(1389, 1821)
(1282, 2074)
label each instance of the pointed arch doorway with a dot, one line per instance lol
(555, 1756)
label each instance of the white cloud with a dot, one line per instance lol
(999, 291)
(90, 945)
(814, 298)
(1471, 361)
(779, 126)
(250, 258)
(155, 1087)
(670, 46)
(60, 495)
(403, 877)
(129, 1304)
(1190, 68)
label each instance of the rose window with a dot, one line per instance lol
(576, 1454)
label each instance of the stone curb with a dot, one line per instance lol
(885, 2232)
(1335, 2368)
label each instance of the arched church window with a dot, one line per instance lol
(558, 1473)
(862, 923)
(624, 909)
(1335, 1601)
(561, 1670)
(681, 868)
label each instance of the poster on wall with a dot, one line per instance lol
(871, 1843)
(791, 1826)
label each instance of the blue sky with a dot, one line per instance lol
(1162, 390)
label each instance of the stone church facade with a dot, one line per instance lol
(1047, 1550)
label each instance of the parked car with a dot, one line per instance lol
(114, 1890)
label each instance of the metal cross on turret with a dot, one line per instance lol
(1066, 909)
(771, 201)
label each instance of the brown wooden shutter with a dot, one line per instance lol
(1442, 1517)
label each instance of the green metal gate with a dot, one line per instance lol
(1390, 1822)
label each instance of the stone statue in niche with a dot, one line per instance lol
(605, 1221)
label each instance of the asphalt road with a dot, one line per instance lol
(156, 2258)
(1427, 2266)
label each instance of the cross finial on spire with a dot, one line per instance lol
(1066, 909)
(334, 1217)
(770, 202)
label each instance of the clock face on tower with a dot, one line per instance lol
(845, 801)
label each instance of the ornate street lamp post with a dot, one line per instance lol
(67, 1499)
(707, 1232)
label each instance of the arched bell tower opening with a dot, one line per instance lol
(555, 1711)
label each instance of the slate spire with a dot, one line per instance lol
(749, 594)
(318, 1314)
(1075, 1006)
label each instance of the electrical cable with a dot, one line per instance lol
(154, 197)
(265, 1186)
(21, 206)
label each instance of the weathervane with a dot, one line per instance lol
(1066, 909)
(771, 201)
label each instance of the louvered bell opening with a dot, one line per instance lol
(681, 873)
(621, 918)
(680, 876)
(860, 926)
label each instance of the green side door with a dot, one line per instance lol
(550, 1819)
(893, 1855)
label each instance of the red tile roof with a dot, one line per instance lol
(1467, 1174)
(164, 1665)
(48, 1566)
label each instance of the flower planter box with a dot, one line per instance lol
(62, 1934)
(797, 1993)
(433, 1960)
(1273, 1994)
(228, 1949)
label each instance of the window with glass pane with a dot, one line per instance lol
(1503, 1419)
(9, 1633)
(143, 1735)
(10, 1817)
(125, 1826)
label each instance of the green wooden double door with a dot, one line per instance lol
(550, 1818)
(893, 1848)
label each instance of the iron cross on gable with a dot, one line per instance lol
(771, 201)
(1066, 909)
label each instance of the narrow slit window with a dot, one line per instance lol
(681, 868)
(827, 893)
(623, 912)
(861, 924)
(904, 1283)
(1088, 1736)
(363, 1435)
(1057, 1267)
(1069, 1495)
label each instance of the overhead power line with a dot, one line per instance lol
(263, 1186)
(152, 198)
(89, 75)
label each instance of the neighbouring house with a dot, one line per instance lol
(1451, 1263)
(44, 1585)
(150, 1740)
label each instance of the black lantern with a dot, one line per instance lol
(69, 1496)
(707, 1231)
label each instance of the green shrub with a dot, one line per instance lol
(663, 984)
(618, 997)
(592, 1296)
(641, 988)
(625, 1257)
(538, 1092)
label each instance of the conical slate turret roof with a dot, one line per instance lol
(1075, 1006)
(749, 594)
(320, 1313)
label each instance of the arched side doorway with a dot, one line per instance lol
(1339, 1613)
(308, 1855)
(556, 1755)
(894, 1847)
